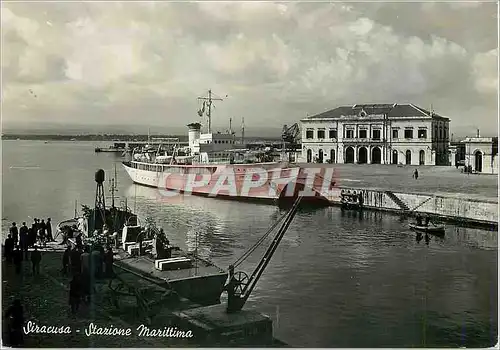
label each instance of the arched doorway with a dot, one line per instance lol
(478, 161)
(394, 157)
(349, 155)
(408, 157)
(320, 156)
(362, 155)
(421, 157)
(309, 156)
(332, 156)
(376, 155)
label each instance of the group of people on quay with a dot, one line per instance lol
(86, 261)
(19, 242)
(352, 199)
(20, 239)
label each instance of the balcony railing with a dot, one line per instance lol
(358, 139)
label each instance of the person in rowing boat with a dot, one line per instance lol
(419, 237)
(419, 220)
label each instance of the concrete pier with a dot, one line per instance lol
(461, 208)
(215, 327)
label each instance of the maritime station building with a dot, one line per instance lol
(376, 134)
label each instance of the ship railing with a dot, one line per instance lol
(214, 161)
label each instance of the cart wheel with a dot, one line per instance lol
(241, 282)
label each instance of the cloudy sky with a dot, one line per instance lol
(128, 64)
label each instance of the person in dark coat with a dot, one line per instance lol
(79, 242)
(9, 248)
(65, 260)
(14, 233)
(360, 199)
(15, 318)
(108, 263)
(43, 233)
(24, 239)
(419, 220)
(32, 235)
(18, 259)
(37, 225)
(415, 174)
(36, 257)
(48, 228)
(75, 292)
(75, 261)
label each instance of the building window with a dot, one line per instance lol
(332, 134)
(309, 134)
(435, 132)
(395, 133)
(446, 133)
(422, 134)
(321, 134)
(349, 134)
(440, 133)
(362, 134)
(408, 134)
(376, 134)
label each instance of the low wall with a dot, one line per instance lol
(456, 208)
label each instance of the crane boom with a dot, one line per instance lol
(245, 285)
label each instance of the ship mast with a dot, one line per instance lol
(208, 102)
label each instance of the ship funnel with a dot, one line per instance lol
(194, 137)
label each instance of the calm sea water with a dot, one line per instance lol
(336, 280)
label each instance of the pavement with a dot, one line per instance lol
(45, 302)
(432, 179)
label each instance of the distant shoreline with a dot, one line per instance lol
(107, 137)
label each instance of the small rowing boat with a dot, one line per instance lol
(436, 230)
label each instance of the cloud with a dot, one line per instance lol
(112, 62)
(486, 72)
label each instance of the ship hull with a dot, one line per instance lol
(266, 182)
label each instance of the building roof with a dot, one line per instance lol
(391, 110)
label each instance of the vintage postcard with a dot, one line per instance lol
(308, 174)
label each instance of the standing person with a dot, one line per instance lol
(18, 259)
(415, 174)
(32, 235)
(96, 263)
(36, 225)
(36, 257)
(140, 238)
(9, 248)
(65, 260)
(108, 262)
(75, 261)
(48, 227)
(85, 263)
(14, 233)
(23, 239)
(16, 322)
(43, 232)
(75, 291)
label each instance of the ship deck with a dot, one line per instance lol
(145, 265)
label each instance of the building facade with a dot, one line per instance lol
(481, 153)
(376, 134)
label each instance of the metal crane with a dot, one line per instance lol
(240, 286)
